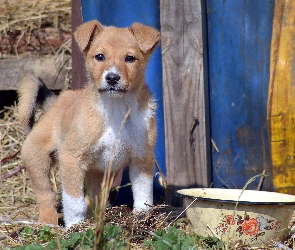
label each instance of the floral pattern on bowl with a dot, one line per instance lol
(260, 216)
(246, 225)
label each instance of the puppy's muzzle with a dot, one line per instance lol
(113, 84)
(112, 79)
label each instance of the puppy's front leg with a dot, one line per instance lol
(141, 176)
(72, 178)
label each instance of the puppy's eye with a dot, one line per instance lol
(99, 57)
(130, 59)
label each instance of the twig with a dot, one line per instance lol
(117, 188)
(212, 231)
(9, 157)
(59, 70)
(163, 221)
(8, 223)
(13, 172)
(214, 146)
(18, 21)
(261, 180)
(183, 211)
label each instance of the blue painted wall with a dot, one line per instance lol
(122, 14)
(239, 38)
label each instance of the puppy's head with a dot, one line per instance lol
(116, 58)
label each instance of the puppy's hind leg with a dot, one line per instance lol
(37, 161)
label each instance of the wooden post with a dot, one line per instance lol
(281, 97)
(186, 123)
(78, 68)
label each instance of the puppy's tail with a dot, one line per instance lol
(33, 94)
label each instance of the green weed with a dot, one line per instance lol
(176, 239)
(111, 239)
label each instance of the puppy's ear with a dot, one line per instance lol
(147, 37)
(86, 33)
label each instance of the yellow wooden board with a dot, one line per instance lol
(281, 97)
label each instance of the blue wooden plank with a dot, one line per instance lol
(122, 14)
(239, 37)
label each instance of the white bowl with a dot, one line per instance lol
(259, 217)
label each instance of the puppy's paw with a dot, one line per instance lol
(142, 208)
(48, 216)
(142, 212)
(74, 209)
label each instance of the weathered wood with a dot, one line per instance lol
(53, 71)
(184, 96)
(281, 97)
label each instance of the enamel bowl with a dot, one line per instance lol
(259, 216)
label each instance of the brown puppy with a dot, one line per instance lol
(80, 128)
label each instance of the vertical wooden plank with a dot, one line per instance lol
(281, 99)
(78, 68)
(184, 96)
(239, 37)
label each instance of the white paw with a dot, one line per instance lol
(142, 187)
(74, 209)
(142, 207)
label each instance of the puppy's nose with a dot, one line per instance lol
(112, 78)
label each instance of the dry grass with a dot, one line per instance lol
(15, 190)
(40, 26)
(16, 197)
(19, 14)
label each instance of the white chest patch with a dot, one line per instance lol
(124, 138)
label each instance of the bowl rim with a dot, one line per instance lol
(234, 201)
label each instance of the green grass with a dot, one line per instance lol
(113, 237)
(176, 239)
